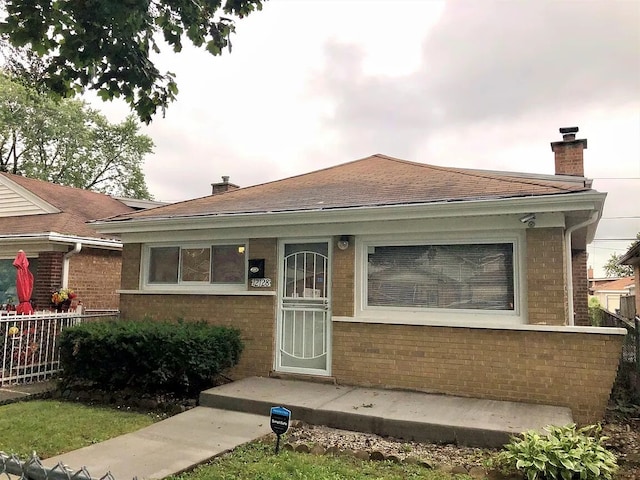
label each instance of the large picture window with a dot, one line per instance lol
(459, 276)
(216, 264)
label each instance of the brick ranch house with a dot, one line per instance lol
(49, 222)
(389, 273)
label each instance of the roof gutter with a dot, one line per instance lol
(569, 266)
(65, 263)
(68, 239)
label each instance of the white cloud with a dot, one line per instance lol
(315, 83)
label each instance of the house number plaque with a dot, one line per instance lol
(261, 282)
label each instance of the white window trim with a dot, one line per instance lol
(191, 287)
(441, 317)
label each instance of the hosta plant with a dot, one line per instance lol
(564, 453)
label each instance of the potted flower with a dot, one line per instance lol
(61, 299)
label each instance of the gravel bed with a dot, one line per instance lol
(436, 455)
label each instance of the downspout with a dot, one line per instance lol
(569, 264)
(65, 263)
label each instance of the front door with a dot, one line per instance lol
(304, 309)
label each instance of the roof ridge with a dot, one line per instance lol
(510, 177)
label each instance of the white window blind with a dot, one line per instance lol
(464, 276)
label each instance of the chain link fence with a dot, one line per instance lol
(12, 467)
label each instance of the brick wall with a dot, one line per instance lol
(546, 289)
(94, 274)
(130, 276)
(253, 315)
(266, 248)
(343, 277)
(580, 287)
(48, 278)
(536, 367)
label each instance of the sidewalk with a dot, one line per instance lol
(168, 447)
(13, 393)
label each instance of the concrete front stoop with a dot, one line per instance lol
(407, 415)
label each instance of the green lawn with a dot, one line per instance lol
(50, 427)
(257, 461)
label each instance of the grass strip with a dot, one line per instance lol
(51, 427)
(257, 461)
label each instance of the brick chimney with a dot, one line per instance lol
(225, 186)
(568, 153)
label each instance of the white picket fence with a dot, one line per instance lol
(29, 350)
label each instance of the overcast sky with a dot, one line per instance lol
(310, 84)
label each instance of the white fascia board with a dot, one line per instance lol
(28, 195)
(53, 237)
(583, 201)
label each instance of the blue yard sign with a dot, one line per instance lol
(280, 418)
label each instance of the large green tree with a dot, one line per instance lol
(105, 45)
(67, 142)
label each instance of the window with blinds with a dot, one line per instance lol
(458, 276)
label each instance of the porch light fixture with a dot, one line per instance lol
(343, 243)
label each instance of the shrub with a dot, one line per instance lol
(148, 356)
(565, 453)
(595, 312)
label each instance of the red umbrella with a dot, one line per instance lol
(24, 283)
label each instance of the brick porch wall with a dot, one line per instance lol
(48, 278)
(253, 315)
(546, 289)
(343, 278)
(95, 276)
(536, 367)
(580, 287)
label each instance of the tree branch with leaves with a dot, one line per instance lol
(105, 45)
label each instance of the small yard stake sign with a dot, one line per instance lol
(280, 418)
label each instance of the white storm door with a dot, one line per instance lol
(304, 310)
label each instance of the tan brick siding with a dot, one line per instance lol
(253, 315)
(342, 281)
(131, 257)
(266, 248)
(575, 370)
(95, 276)
(580, 287)
(546, 289)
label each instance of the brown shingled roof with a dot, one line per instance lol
(76, 207)
(373, 181)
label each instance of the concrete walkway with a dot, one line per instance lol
(237, 413)
(167, 447)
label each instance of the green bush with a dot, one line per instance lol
(565, 453)
(596, 314)
(152, 357)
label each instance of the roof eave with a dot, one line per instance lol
(109, 244)
(589, 201)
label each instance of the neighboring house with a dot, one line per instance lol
(609, 290)
(632, 257)
(49, 222)
(390, 273)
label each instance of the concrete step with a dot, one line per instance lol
(408, 415)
